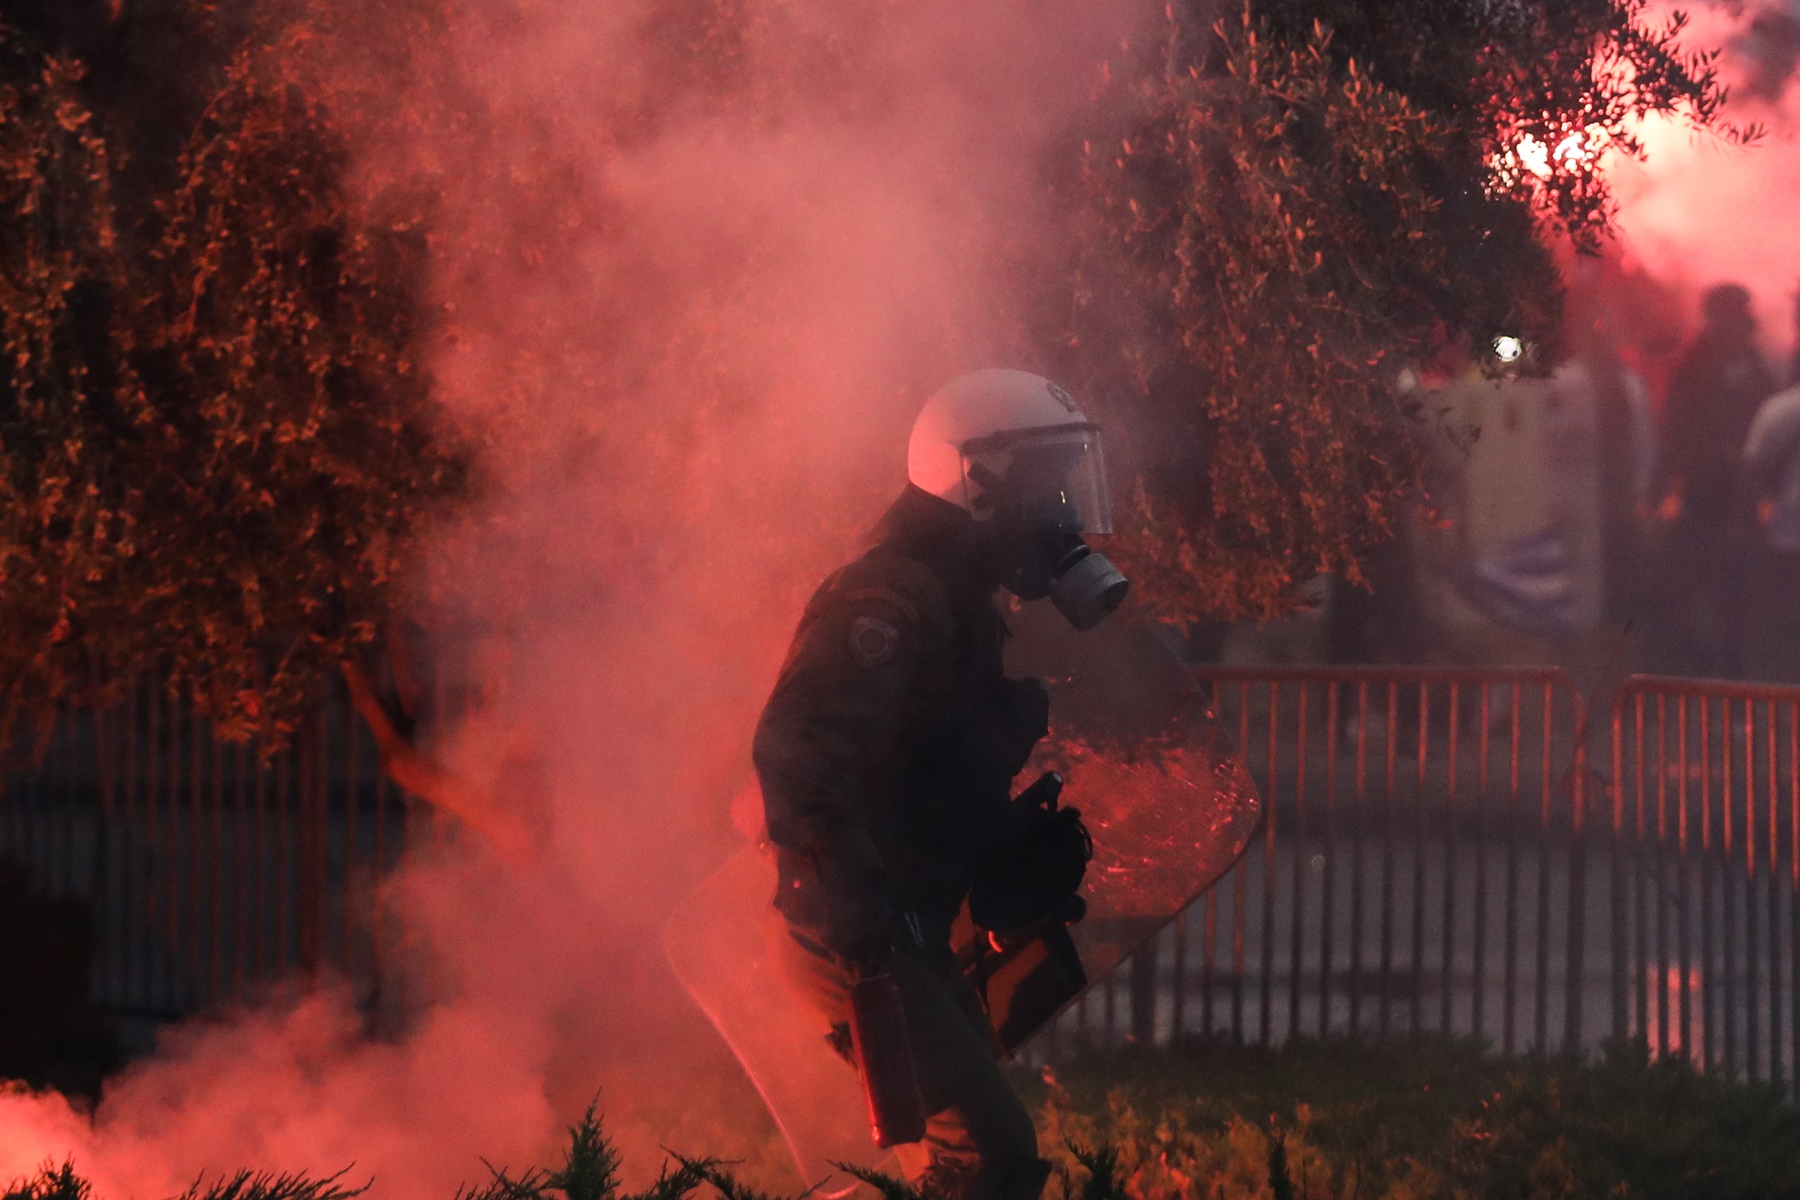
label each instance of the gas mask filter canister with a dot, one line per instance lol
(1086, 588)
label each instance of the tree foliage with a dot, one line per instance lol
(216, 432)
(219, 443)
(67, 395)
(1290, 205)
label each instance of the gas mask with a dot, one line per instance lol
(1053, 490)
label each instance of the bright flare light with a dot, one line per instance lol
(1578, 150)
(1508, 348)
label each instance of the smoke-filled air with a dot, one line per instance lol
(692, 294)
(1699, 211)
(691, 281)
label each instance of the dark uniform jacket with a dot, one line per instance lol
(887, 750)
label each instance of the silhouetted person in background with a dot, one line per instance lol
(1715, 391)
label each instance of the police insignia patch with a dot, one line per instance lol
(872, 641)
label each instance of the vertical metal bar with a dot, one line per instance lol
(268, 872)
(352, 873)
(378, 917)
(312, 924)
(304, 783)
(1727, 894)
(1478, 973)
(23, 800)
(307, 805)
(1665, 995)
(1793, 905)
(1142, 993)
(1447, 965)
(1640, 877)
(321, 843)
(245, 849)
(1178, 1014)
(1772, 915)
(1773, 911)
(177, 977)
(1620, 922)
(1577, 925)
(29, 804)
(217, 975)
(1109, 990)
(196, 828)
(40, 850)
(153, 974)
(1327, 896)
(1420, 816)
(1209, 940)
(1240, 883)
(16, 831)
(1683, 916)
(75, 804)
(1360, 829)
(1752, 979)
(1387, 858)
(106, 779)
(133, 892)
(282, 957)
(1297, 918)
(1509, 990)
(1542, 989)
(70, 804)
(1709, 1011)
(64, 806)
(1268, 880)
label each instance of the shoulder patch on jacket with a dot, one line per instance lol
(873, 641)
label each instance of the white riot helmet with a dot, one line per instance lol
(1014, 451)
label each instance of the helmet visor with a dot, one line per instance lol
(1056, 474)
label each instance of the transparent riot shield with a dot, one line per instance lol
(1170, 808)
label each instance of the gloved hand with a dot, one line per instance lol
(1035, 872)
(1025, 709)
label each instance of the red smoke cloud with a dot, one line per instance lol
(693, 290)
(1700, 212)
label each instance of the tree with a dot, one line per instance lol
(218, 433)
(217, 438)
(1298, 200)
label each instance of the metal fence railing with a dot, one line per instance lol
(212, 874)
(1704, 865)
(1443, 850)
(1465, 852)
(1412, 871)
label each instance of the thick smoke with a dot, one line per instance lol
(1700, 211)
(701, 261)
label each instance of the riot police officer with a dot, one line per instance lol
(887, 750)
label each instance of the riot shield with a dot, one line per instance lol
(717, 942)
(1169, 805)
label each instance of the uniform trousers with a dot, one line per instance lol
(979, 1142)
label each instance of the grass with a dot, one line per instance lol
(1427, 1117)
(1314, 1120)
